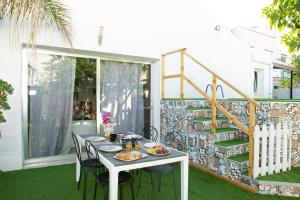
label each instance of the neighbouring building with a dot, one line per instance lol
(269, 60)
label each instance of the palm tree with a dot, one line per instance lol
(32, 13)
(35, 13)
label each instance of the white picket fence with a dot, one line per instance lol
(272, 149)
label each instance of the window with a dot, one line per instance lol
(84, 102)
(255, 81)
(65, 94)
(258, 82)
(61, 90)
(125, 92)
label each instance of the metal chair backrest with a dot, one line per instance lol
(92, 152)
(153, 133)
(77, 147)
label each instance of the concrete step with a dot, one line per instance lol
(203, 119)
(223, 130)
(197, 108)
(237, 165)
(226, 149)
(240, 158)
(229, 143)
(205, 123)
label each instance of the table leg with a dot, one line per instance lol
(184, 178)
(113, 184)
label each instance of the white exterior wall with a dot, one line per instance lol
(264, 49)
(262, 60)
(139, 28)
(284, 93)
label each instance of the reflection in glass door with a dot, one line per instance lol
(85, 103)
(125, 92)
(61, 99)
(64, 94)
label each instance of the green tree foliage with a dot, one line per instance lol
(5, 90)
(85, 73)
(286, 82)
(285, 16)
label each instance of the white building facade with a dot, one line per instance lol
(134, 31)
(265, 51)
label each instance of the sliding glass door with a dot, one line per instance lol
(84, 98)
(61, 100)
(123, 95)
(67, 94)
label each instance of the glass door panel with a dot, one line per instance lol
(85, 104)
(61, 99)
(125, 92)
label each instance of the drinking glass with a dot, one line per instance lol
(129, 145)
(138, 145)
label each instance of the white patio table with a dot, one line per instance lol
(115, 166)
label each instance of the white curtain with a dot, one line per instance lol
(122, 95)
(50, 105)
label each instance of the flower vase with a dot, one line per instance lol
(108, 129)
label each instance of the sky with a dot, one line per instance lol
(232, 13)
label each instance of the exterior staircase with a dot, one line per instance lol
(229, 146)
(216, 128)
(186, 125)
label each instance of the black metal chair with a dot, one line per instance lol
(157, 170)
(103, 178)
(152, 133)
(86, 165)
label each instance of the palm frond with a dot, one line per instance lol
(58, 15)
(37, 13)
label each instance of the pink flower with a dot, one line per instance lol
(107, 118)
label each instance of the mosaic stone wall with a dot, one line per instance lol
(225, 152)
(279, 188)
(180, 130)
(272, 112)
(236, 169)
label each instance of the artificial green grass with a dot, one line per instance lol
(184, 99)
(240, 158)
(208, 118)
(231, 142)
(240, 99)
(198, 108)
(245, 173)
(292, 175)
(264, 99)
(58, 183)
(222, 130)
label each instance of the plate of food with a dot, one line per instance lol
(150, 145)
(130, 156)
(110, 148)
(158, 150)
(95, 139)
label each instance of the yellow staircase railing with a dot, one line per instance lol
(213, 99)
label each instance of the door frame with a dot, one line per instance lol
(45, 161)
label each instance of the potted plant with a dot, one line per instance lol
(5, 90)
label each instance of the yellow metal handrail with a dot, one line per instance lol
(213, 99)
